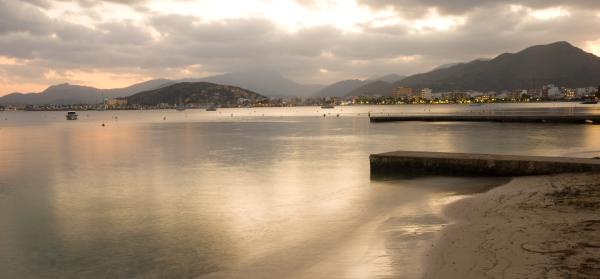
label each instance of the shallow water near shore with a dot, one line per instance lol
(254, 193)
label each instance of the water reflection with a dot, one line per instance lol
(197, 195)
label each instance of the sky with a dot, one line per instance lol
(115, 43)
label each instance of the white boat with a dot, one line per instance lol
(71, 115)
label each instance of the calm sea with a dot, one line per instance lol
(241, 193)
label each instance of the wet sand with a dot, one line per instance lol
(532, 227)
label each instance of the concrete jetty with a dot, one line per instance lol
(411, 162)
(579, 119)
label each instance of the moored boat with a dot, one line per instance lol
(328, 106)
(590, 102)
(71, 115)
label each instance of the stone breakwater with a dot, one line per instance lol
(411, 162)
(573, 119)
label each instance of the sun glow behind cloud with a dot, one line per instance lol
(541, 14)
(550, 13)
(593, 47)
(288, 14)
(433, 21)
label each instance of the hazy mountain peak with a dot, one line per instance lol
(340, 88)
(268, 83)
(375, 85)
(391, 78)
(374, 88)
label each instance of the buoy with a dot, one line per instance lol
(103, 125)
(164, 118)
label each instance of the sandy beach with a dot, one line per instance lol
(532, 227)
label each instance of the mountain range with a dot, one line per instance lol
(270, 84)
(558, 63)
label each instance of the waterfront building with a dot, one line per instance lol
(586, 92)
(115, 103)
(483, 98)
(569, 93)
(554, 92)
(427, 93)
(163, 106)
(403, 92)
(455, 96)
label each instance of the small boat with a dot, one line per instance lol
(327, 106)
(211, 109)
(180, 107)
(71, 115)
(589, 102)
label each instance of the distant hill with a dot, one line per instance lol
(194, 92)
(376, 88)
(56, 94)
(268, 83)
(76, 94)
(340, 88)
(559, 63)
(355, 86)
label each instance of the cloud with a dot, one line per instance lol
(133, 40)
(414, 7)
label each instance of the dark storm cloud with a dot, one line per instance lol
(164, 45)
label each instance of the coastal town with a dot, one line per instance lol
(400, 96)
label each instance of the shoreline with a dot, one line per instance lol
(531, 227)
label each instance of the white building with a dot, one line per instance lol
(554, 92)
(586, 91)
(427, 93)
